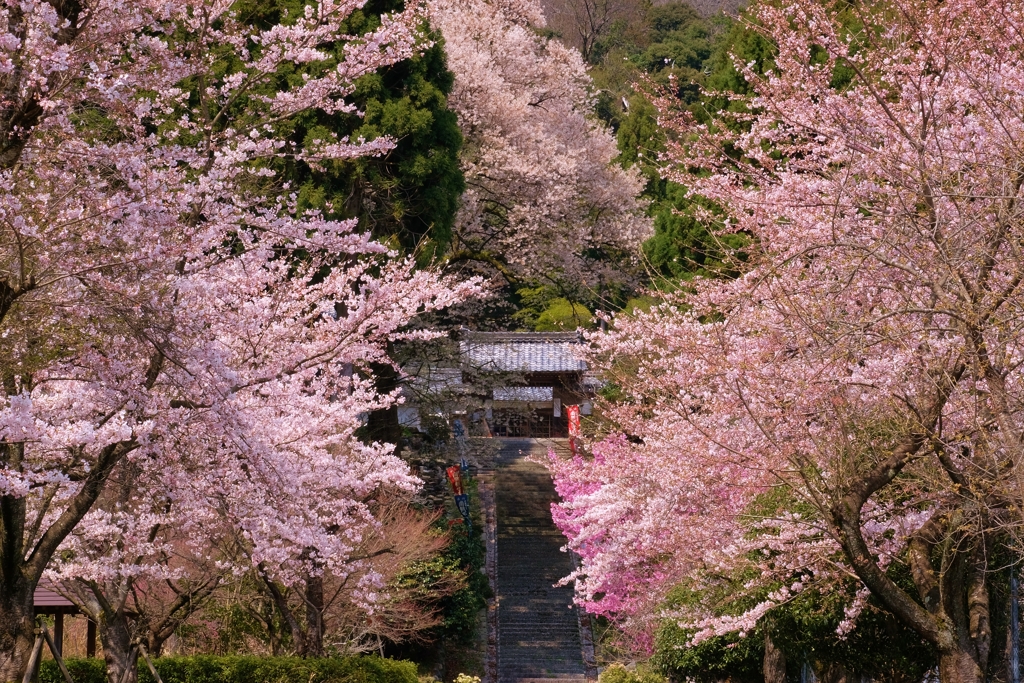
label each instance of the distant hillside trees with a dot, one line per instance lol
(406, 196)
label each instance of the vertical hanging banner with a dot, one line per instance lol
(455, 479)
(572, 414)
(461, 497)
(459, 431)
(462, 502)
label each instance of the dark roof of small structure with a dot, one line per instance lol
(522, 351)
(49, 601)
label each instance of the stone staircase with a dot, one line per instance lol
(538, 637)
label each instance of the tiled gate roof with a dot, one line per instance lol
(523, 351)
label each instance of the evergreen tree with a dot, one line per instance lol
(408, 196)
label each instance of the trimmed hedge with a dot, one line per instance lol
(81, 670)
(210, 669)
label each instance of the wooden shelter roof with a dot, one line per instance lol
(49, 601)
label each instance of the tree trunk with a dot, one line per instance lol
(952, 609)
(158, 629)
(959, 666)
(774, 662)
(314, 616)
(21, 567)
(17, 627)
(117, 648)
(1012, 614)
(155, 645)
(291, 624)
(834, 673)
(17, 587)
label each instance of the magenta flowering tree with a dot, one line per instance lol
(865, 365)
(164, 308)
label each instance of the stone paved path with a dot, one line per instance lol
(538, 627)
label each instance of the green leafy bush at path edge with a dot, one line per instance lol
(616, 673)
(243, 669)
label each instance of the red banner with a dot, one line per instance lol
(572, 413)
(455, 479)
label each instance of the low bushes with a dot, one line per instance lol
(210, 669)
(616, 673)
(81, 670)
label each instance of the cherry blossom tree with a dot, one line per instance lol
(864, 367)
(143, 559)
(162, 303)
(148, 557)
(541, 185)
(399, 555)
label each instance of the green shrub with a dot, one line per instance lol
(211, 669)
(563, 315)
(465, 553)
(616, 673)
(81, 670)
(727, 657)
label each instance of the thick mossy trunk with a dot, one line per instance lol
(17, 628)
(948, 560)
(960, 666)
(118, 654)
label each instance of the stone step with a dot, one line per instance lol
(521, 676)
(529, 675)
(537, 623)
(551, 622)
(514, 673)
(538, 637)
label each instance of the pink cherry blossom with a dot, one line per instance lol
(542, 186)
(864, 366)
(167, 316)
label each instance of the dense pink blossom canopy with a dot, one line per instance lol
(166, 312)
(542, 183)
(865, 366)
